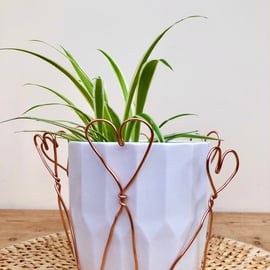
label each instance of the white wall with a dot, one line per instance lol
(221, 72)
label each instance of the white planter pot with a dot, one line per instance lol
(166, 202)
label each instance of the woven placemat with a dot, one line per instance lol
(52, 252)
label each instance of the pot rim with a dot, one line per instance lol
(178, 142)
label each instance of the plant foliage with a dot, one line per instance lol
(94, 92)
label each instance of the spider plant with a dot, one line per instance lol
(94, 92)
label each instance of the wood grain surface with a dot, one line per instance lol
(19, 225)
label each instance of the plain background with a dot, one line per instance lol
(221, 72)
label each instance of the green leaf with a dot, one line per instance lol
(154, 126)
(99, 101)
(145, 57)
(99, 98)
(86, 118)
(113, 117)
(65, 99)
(144, 84)
(97, 136)
(143, 89)
(118, 73)
(59, 134)
(82, 75)
(165, 62)
(189, 135)
(59, 123)
(49, 45)
(174, 117)
(82, 90)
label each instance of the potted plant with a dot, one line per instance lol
(138, 197)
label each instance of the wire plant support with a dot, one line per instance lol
(47, 147)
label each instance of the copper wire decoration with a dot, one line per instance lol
(122, 189)
(215, 153)
(47, 145)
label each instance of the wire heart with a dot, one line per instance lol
(122, 189)
(46, 146)
(121, 143)
(44, 143)
(216, 154)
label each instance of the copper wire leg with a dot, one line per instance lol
(214, 154)
(44, 144)
(208, 237)
(122, 190)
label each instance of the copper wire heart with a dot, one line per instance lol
(220, 157)
(44, 143)
(46, 146)
(214, 153)
(121, 143)
(122, 196)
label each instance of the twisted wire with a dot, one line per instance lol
(43, 144)
(214, 153)
(122, 189)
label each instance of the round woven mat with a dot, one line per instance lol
(52, 252)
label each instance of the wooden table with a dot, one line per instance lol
(20, 225)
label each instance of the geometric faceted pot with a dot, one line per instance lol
(134, 209)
